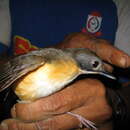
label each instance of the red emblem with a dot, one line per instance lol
(22, 45)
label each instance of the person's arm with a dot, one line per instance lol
(85, 97)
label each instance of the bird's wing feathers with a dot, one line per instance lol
(18, 67)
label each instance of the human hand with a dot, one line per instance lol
(50, 112)
(85, 97)
(101, 47)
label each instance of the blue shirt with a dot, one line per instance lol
(41, 23)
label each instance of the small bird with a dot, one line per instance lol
(45, 71)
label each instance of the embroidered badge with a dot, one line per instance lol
(22, 45)
(93, 24)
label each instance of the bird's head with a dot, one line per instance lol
(89, 62)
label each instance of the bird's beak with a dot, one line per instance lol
(106, 74)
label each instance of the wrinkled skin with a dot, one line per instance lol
(86, 97)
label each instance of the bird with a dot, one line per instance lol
(42, 72)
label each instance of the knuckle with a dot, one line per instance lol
(97, 87)
(49, 124)
(23, 112)
(14, 126)
(53, 104)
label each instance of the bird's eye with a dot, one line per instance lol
(95, 64)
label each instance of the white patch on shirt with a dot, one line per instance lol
(93, 23)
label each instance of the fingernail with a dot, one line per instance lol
(3, 126)
(13, 111)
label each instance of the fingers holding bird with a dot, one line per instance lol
(101, 47)
(60, 102)
(75, 95)
(61, 121)
(51, 112)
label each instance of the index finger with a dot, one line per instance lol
(102, 48)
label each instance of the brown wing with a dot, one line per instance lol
(18, 67)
